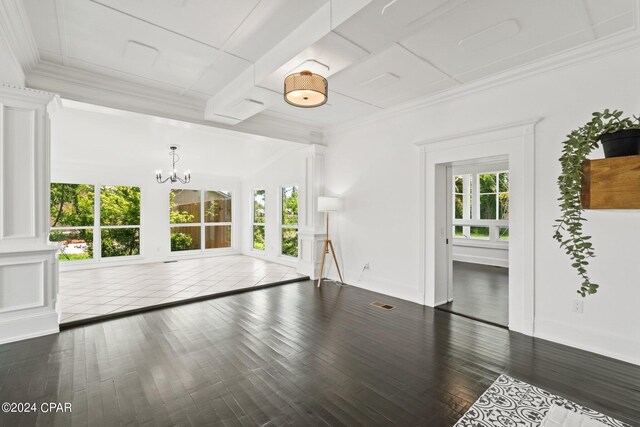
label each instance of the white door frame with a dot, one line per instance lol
(516, 141)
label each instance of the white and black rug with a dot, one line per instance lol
(513, 403)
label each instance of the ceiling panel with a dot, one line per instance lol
(545, 27)
(600, 11)
(270, 22)
(208, 21)
(101, 36)
(332, 50)
(44, 24)
(221, 72)
(374, 30)
(367, 81)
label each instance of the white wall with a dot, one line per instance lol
(474, 252)
(284, 171)
(375, 167)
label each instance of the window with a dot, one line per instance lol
(112, 225)
(72, 220)
(119, 221)
(494, 195)
(483, 216)
(200, 220)
(289, 221)
(258, 219)
(217, 218)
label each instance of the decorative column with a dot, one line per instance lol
(28, 264)
(311, 231)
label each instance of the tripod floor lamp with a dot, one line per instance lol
(327, 205)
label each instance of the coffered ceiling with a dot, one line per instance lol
(225, 60)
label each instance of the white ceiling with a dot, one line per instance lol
(379, 53)
(96, 136)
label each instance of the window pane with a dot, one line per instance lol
(185, 238)
(258, 237)
(458, 214)
(458, 184)
(217, 236)
(290, 206)
(120, 242)
(71, 205)
(479, 232)
(458, 231)
(119, 205)
(503, 233)
(488, 206)
(217, 206)
(503, 206)
(76, 244)
(504, 182)
(290, 242)
(488, 183)
(184, 206)
(258, 206)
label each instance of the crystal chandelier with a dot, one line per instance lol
(173, 177)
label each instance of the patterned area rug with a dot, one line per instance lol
(512, 403)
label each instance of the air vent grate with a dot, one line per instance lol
(383, 305)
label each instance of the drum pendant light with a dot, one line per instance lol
(305, 89)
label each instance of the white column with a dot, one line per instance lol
(28, 264)
(311, 231)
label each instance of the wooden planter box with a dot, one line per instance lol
(612, 183)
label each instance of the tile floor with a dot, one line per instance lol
(90, 293)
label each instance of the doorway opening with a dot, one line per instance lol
(477, 211)
(513, 143)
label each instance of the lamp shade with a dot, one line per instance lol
(305, 89)
(329, 204)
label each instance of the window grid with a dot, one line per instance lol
(185, 240)
(289, 221)
(477, 225)
(120, 245)
(258, 229)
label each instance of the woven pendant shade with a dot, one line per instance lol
(305, 89)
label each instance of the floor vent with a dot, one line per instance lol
(382, 305)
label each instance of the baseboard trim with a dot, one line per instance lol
(375, 284)
(26, 327)
(497, 262)
(106, 317)
(614, 346)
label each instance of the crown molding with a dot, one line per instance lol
(606, 46)
(93, 88)
(15, 26)
(24, 93)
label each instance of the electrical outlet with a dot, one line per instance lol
(577, 306)
(366, 267)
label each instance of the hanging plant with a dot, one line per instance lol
(579, 144)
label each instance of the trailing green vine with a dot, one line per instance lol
(568, 230)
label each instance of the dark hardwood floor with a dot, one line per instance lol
(295, 355)
(480, 292)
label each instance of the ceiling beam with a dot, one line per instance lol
(18, 38)
(222, 107)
